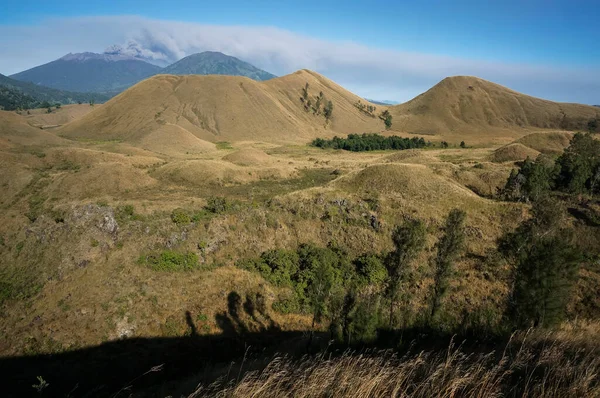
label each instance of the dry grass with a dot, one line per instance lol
(481, 112)
(513, 152)
(541, 365)
(551, 143)
(222, 108)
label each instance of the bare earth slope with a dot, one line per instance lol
(464, 104)
(224, 108)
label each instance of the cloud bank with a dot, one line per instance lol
(371, 72)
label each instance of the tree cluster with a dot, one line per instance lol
(370, 142)
(576, 171)
(319, 101)
(357, 296)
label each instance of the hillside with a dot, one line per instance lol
(89, 72)
(466, 104)
(16, 94)
(216, 63)
(224, 108)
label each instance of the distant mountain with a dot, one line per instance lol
(382, 102)
(598, 106)
(16, 94)
(216, 63)
(90, 72)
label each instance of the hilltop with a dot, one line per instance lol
(216, 63)
(225, 108)
(465, 104)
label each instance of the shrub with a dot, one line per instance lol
(125, 213)
(169, 260)
(217, 205)
(371, 269)
(180, 216)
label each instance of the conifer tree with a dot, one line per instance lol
(409, 240)
(449, 248)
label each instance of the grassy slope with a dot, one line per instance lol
(470, 108)
(224, 108)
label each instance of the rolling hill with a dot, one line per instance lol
(89, 72)
(17, 94)
(463, 103)
(216, 63)
(229, 108)
(224, 108)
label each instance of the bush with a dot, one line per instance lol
(169, 260)
(371, 269)
(180, 216)
(126, 213)
(218, 205)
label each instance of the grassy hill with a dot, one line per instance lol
(215, 63)
(464, 104)
(17, 94)
(225, 108)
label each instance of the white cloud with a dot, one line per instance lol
(371, 72)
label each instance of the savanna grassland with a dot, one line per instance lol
(188, 224)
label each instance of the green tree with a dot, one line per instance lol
(463, 145)
(328, 110)
(305, 92)
(533, 180)
(449, 248)
(388, 121)
(444, 144)
(545, 266)
(409, 241)
(579, 164)
(592, 125)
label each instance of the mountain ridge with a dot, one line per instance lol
(113, 72)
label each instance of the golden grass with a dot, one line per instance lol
(223, 108)
(529, 366)
(513, 152)
(551, 143)
(477, 111)
(58, 116)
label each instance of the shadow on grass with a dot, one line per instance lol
(138, 366)
(172, 366)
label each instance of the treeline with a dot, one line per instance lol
(360, 296)
(370, 142)
(576, 171)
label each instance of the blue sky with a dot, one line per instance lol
(494, 38)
